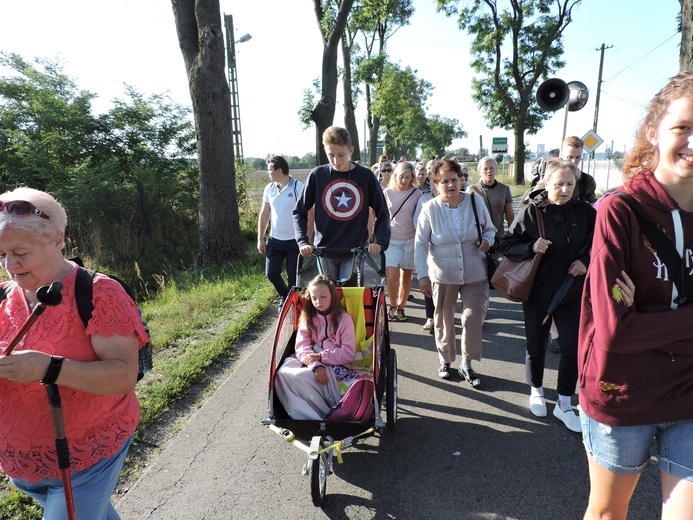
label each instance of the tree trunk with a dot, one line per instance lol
(323, 113)
(200, 35)
(686, 52)
(349, 108)
(519, 159)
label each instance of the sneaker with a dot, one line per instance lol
(571, 421)
(444, 371)
(428, 325)
(537, 405)
(554, 347)
(470, 376)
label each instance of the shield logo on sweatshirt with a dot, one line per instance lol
(342, 199)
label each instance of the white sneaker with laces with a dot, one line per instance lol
(571, 421)
(537, 405)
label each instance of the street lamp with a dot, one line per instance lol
(233, 86)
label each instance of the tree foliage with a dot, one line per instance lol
(125, 177)
(439, 134)
(376, 21)
(513, 49)
(332, 20)
(400, 104)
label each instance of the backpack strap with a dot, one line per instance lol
(5, 290)
(663, 245)
(84, 293)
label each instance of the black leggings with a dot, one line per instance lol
(567, 317)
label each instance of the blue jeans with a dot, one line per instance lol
(91, 490)
(340, 270)
(276, 252)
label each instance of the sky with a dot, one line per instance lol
(107, 45)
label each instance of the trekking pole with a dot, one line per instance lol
(61, 447)
(49, 296)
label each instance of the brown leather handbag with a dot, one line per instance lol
(514, 280)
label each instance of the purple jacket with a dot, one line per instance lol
(337, 346)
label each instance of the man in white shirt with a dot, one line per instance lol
(279, 199)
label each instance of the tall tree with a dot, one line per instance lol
(331, 23)
(377, 20)
(686, 25)
(348, 44)
(400, 103)
(201, 40)
(531, 32)
(439, 134)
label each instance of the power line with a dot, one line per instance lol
(642, 57)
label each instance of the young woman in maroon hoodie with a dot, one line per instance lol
(636, 347)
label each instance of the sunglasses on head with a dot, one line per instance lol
(21, 208)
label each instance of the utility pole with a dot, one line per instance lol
(599, 91)
(233, 86)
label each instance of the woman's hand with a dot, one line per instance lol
(425, 287)
(577, 268)
(309, 359)
(321, 375)
(627, 289)
(24, 366)
(484, 246)
(541, 245)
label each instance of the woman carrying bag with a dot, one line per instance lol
(568, 227)
(401, 196)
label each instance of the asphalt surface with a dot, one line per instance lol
(458, 452)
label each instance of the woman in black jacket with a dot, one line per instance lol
(569, 225)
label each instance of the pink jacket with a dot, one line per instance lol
(337, 346)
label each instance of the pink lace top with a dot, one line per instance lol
(96, 425)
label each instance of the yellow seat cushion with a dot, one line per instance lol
(352, 301)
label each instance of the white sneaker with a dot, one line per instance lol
(571, 421)
(537, 405)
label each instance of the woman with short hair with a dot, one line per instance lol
(451, 262)
(565, 246)
(96, 368)
(496, 195)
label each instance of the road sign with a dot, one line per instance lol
(500, 145)
(592, 141)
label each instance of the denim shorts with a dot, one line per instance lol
(626, 450)
(400, 253)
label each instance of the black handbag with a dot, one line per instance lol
(491, 263)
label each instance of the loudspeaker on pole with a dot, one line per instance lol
(553, 94)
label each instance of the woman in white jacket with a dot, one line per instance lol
(449, 261)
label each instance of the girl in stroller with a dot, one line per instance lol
(307, 383)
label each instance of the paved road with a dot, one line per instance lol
(457, 453)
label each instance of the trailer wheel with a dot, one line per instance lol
(391, 391)
(318, 477)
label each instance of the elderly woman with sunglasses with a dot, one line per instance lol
(95, 368)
